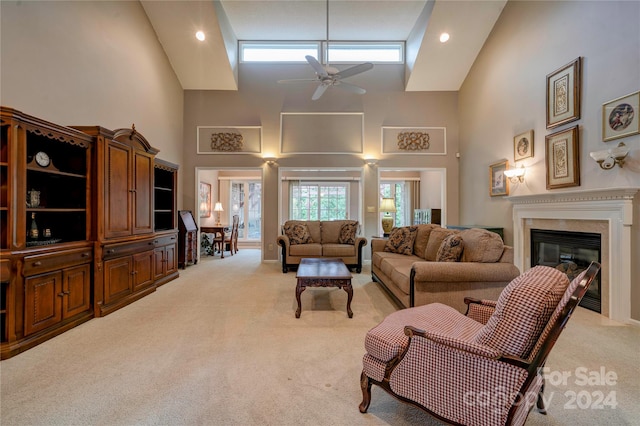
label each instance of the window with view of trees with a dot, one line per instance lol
(319, 201)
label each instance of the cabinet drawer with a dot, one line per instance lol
(166, 240)
(116, 250)
(40, 263)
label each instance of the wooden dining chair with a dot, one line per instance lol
(226, 239)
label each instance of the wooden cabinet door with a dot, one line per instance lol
(171, 258)
(118, 189)
(42, 302)
(117, 278)
(159, 263)
(76, 287)
(143, 193)
(143, 269)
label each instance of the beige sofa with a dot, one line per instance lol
(337, 239)
(485, 266)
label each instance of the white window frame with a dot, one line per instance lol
(356, 51)
(319, 184)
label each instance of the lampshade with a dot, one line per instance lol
(218, 207)
(388, 205)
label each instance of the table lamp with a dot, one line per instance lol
(387, 206)
(218, 208)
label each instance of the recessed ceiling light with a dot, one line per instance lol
(200, 35)
(444, 37)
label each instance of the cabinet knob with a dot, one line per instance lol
(84, 255)
(173, 238)
(38, 263)
(111, 251)
(132, 190)
(134, 272)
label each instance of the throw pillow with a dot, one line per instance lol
(348, 233)
(401, 240)
(451, 249)
(297, 233)
(436, 237)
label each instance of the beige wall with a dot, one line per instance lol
(504, 95)
(90, 63)
(260, 101)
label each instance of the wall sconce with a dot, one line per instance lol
(516, 175)
(607, 158)
(371, 162)
(218, 208)
(270, 160)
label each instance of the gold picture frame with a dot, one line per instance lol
(620, 117)
(523, 145)
(562, 158)
(498, 182)
(204, 206)
(563, 94)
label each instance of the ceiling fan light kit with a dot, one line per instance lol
(329, 76)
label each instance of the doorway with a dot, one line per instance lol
(238, 192)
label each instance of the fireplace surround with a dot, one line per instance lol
(608, 212)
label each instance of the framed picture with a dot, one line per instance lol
(563, 159)
(498, 182)
(523, 146)
(204, 205)
(563, 94)
(620, 117)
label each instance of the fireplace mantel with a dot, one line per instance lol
(612, 206)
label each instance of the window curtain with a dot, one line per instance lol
(414, 197)
(224, 196)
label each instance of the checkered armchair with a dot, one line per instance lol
(482, 368)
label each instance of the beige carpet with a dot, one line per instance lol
(221, 346)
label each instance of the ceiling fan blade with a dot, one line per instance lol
(355, 70)
(319, 91)
(299, 80)
(350, 88)
(317, 66)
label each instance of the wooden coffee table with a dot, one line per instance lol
(322, 272)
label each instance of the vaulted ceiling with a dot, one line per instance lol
(431, 65)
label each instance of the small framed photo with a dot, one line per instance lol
(563, 94)
(523, 146)
(498, 182)
(205, 200)
(562, 159)
(620, 117)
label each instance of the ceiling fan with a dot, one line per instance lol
(329, 76)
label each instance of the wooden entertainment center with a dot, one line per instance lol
(88, 224)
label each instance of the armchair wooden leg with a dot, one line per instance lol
(540, 403)
(365, 385)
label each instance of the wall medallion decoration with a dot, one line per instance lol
(620, 117)
(227, 141)
(563, 94)
(413, 141)
(562, 159)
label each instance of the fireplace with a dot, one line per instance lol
(571, 253)
(608, 212)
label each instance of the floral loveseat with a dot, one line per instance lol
(314, 238)
(424, 264)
